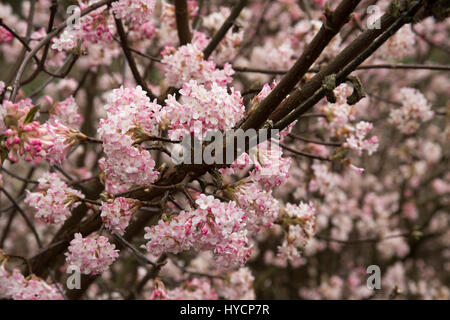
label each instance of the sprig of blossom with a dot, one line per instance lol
(13, 285)
(117, 214)
(53, 200)
(186, 63)
(415, 110)
(92, 255)
(136, 11)
(260, 207)
(214, 225)
(130, 118)
(67, 112)
(203, 109)
(301, 226)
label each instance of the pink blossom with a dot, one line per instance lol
(186, 63)
(415, 109)
(208, 109)
(67, 112)
(301, 222)
(53, 200)
(117, 214)
(92, 255)
(214, 225)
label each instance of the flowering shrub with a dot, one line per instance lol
(320, 148)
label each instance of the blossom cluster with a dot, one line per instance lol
(15, 286)
(260, 207)
(135, 11)
(415, 109)
(187, 63)
(92, 254)
(117, 214)
(201, 110)
(31, 140)
(301, 223)
(213, 225)
(67, 112)
(53, 200)
(131, 118)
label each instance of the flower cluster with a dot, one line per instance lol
(63, 139)
(5, 36)
(53, 200)
(201, 110)
(67, 41)
(271, 168)
(131, 118)
(301, 223)
(400, 45)
(356, 141)
(195, 289)
(117, 214)
(66, 112)
(237, 286)
(415, 109)
(186, 63)
(92, 255)
(260, 207)
(96, 27)
(32, 140)
(13, 285)
(135, 11)
(214, 225)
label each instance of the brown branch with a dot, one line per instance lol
(182, 20)
(43, 42)
(130, 59)
(330, 28)
(220, 34)
(325, 143)
(24, 216)
(308, 95)
(303, 154)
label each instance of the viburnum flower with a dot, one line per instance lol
(31, 140)
(238, 285)
(67, 112)
(260, 207)
(63, 139)
(13, 285)
(415, 109)
(356, 141)
(186, 63)
(300, 221)
(131, 118)
(5, 36)
(400, 45)
(271, 169)
(95, 27)
(67, 41)
(117, 214)
(159, 291)
(214, 225)
(92, 255)
(136, 11)
(195, 289)
(53, 200)
(199, 108)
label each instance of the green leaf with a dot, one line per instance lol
(31, 114)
